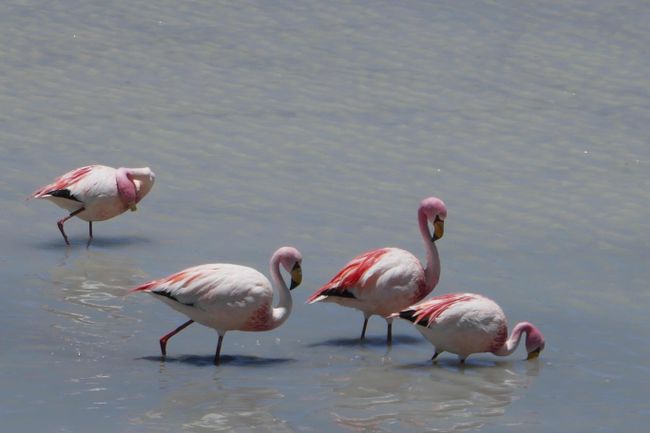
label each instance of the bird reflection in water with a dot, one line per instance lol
(452, 398)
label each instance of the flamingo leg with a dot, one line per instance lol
(363, 330)
(60, 222)
(166, 337)
(389, 334)
(90, 234)
(217, 355)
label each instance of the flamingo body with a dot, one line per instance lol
(379, 282)
(94, 188)
(97, 192)
(229, 297)
(386, 280)
(221, 296)
(466, 323)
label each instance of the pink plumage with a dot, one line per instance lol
(430, 310)
(228, 297)
(97, 192)
(466, 323)
(65, 181)
(351, 275)
(385, 280)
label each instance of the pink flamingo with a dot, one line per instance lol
(386, 280)
(228, 297)
(466, 323)
(97, 193)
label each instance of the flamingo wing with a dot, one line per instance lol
(212, 286)
(353, 275)
(426, 313)
(61, 187)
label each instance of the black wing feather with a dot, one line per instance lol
(170, 296)
(338, 292)
(63, 193)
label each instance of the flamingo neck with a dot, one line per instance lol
(282, 311)
(432, 269)
(512, 342)
(125, 186)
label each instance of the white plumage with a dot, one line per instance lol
(466, 323)
(97, 192)
(229, 297)
(385, 280)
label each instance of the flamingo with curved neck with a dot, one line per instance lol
(386, 280)
(466, 323)
(125, 187)
(534, 341)
(97, 193)
(229, 297)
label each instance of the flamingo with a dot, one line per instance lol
(97, 193)
(466, 323)
(386, 280)
(228, 297)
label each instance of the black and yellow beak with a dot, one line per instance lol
(296, 276)
(438, 229)
(534, 354)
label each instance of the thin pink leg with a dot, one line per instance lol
(60, 222)
(166, 337)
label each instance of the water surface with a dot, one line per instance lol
(322, 125)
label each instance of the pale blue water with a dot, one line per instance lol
(322, 125)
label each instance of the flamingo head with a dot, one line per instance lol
(126, 187)
(291, 260)
(434, 210)
(133, 184)
(143, 179)
(534, 342)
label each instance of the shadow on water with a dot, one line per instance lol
(208, 360)
(368, 341)
(97, 241)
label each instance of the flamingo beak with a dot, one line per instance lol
(296, 276)
(438, 229)
(534, 354)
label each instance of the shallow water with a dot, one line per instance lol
(322, 125)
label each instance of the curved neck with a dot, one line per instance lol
(125, 186)
(512, 343)
(282, 311)
(432, 269)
